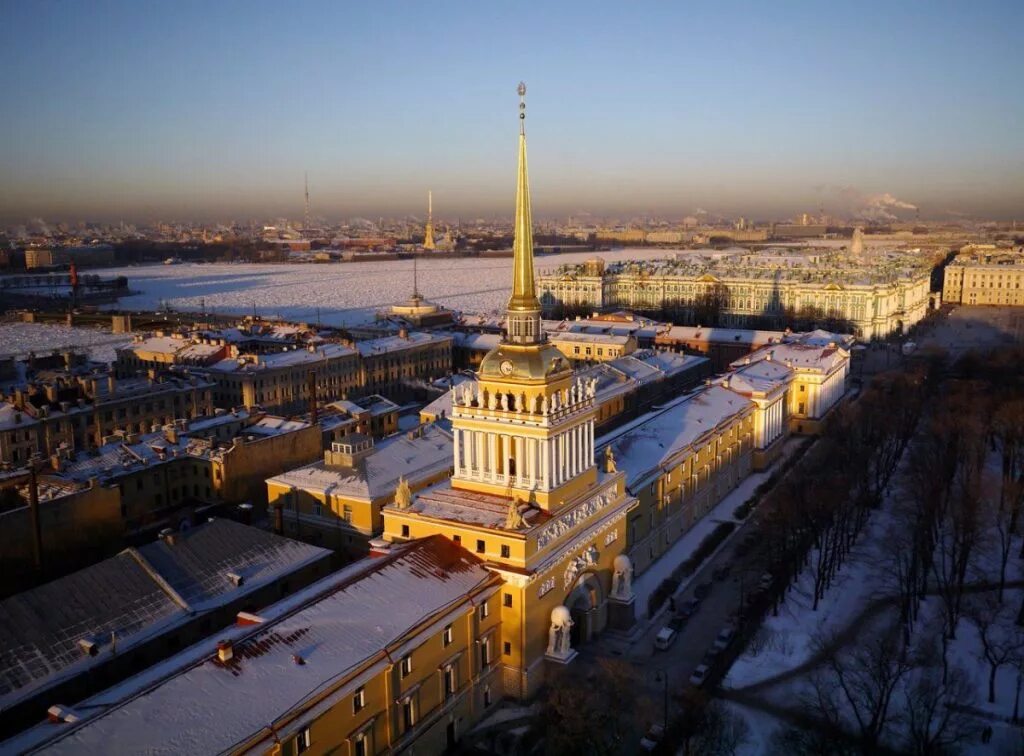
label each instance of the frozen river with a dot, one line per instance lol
(41, 338)
(342, 292)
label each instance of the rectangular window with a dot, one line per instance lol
(480, 547)
(457, 538)
(405, 531)
(507, 599)
(450, 681)
(303, 741)
(359, 746)
(446, 637)
(506, 550)
(408, 714)
(346, 512)
(406, 666)
(485, 610)
(485, 653)
(358, 701)
(507, 649)
(317, 508)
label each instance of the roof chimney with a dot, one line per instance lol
(247, 618)
(88, 647)
(61, 714)
(225, 651)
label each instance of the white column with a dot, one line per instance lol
(503, 468)
(457, 448)
(545, 462)
(492, 456)
(520, 461)
(478, 452)
(560, 460)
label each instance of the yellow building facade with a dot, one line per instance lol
(985, 275)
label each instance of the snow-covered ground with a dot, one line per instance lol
(786, 641)
(43, 338)
(342, 292)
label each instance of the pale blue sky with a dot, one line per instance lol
(209, 110)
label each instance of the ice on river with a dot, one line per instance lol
(43, 338)
(341, 292)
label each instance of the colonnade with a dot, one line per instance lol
(524, 462)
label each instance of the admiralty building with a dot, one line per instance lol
(872, 295)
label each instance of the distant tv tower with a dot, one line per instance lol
(428, 234)
(305, 220)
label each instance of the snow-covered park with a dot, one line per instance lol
(787, 664)
(338, 292)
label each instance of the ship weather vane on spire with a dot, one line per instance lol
(522, 107)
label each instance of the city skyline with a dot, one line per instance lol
(115, 112)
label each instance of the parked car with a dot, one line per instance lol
(724, 638)
(665, 638)
(689, 608)
(766, 580)
(700, 675)
(654, 735)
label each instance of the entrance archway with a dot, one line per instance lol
(586, 606)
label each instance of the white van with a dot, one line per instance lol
(665, 637)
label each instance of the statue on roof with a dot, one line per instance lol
(609, 460)
(513, 518)
(403, 494)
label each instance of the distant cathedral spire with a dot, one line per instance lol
(428, 235)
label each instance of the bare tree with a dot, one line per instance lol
(857, 686)
(1002, 640)
(934, 724)
(717, 732)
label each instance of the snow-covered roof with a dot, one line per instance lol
(134, 595)
(822, 338)
(388, 344)
(289, 358)
(801, 357)
(342, 626)
(417, 455)
(761, 377)
(722, 335)
(670, 363)
(443, 502)
(591, 338)
(481, 342)
(375, 404)
(643, 446)
(638, 370)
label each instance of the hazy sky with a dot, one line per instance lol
(213, 110)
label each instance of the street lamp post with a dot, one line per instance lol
(663, 678)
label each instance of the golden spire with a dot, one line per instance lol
(524, 293)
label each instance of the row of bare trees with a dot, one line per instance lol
(812, 519)
(890, 680)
